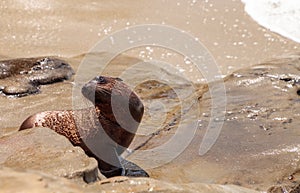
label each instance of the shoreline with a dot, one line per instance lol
(229, 33)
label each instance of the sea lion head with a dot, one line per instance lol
(115, 100)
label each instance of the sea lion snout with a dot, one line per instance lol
(99, 89)
(88, 91)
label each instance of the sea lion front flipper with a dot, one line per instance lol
(133, 170)
(108, 159)
(118, 170)
(124, 167)
(120, 158)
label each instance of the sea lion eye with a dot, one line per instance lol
(101, 79)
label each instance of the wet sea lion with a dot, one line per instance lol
(22, 76)
(103, 132)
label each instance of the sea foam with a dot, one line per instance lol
(280, 16)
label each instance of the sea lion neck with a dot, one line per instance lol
(122, 107)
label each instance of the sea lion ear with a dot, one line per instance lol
(119, 79)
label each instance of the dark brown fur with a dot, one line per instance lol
(112, 99)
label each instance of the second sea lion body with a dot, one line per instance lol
(103, 132)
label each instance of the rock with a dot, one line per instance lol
(23, 76)
(295, 188)
(44, 150)
(258, 146)
(139, 185)
(259, 143)
(34, 182)
(288, 184)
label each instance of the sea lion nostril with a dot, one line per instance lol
(100, 79)
(298, 92)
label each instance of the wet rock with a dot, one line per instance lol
(21, 77)
(295, 188)
(258, 146)
(32, 181)
(44, 150)
(259, 143)
(139, 185)
(288, 184)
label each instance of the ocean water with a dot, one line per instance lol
(280, 16)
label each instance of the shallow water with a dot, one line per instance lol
(65, 28)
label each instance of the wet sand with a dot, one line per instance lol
(65, 28)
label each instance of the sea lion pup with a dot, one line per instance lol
(103, 132)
